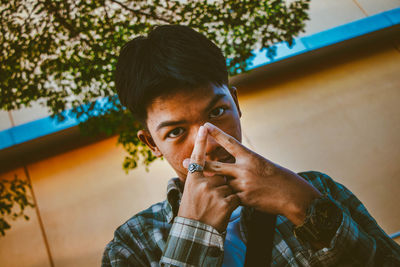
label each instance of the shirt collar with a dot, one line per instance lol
(174, 195)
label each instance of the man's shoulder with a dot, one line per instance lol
(139, 236)
(145, 219)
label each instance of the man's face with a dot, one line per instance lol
(173, 122)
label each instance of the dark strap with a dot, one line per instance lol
(260, 240)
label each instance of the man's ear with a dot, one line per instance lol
(233, 91)
(146, 138)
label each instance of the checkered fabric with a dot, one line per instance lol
(157, 237)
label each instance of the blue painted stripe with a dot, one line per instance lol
(347, 31)
(282, 51)
(6, 139)
(395, 235)
(34, 129)
(393, 15)
(38, 128)
(329, 37)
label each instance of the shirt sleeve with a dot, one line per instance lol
(359, 241)
(118, 254)
(193, 243)
(127, 249)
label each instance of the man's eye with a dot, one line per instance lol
(175, 132)
(217, 112)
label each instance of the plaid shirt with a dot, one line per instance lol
(157, 237)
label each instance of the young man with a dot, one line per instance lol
(175, 82)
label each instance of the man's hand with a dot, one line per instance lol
(206, 199)
(261, 184)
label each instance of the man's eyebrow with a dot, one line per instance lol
(170, 123)
(213, 101)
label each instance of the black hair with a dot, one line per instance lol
(170, 58)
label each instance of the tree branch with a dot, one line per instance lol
(138, 12)
(54, 10)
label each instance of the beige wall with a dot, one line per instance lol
(23, 245)
(341, 118)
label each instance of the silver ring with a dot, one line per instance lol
(194, 167)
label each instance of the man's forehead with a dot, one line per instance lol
(193, 94)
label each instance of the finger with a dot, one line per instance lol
(228, 142)
(221, 168)
(199, 150)
(235, 184)
(224, 190)
(233, 202)
(206, 173)
(216, 180)
(186, 163)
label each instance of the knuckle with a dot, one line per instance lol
(196, 158)
(244, 184)
(226, 202)
(244, 172)
(214, 131)
(231, 140)
(217, 194)
(216, 166)
(203, 187)
(208, 186)
(264, 168)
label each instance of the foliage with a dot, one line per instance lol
(13, 193)
(62, 53)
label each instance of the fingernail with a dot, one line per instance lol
(202, 131)
(209, 125)
(186, 163)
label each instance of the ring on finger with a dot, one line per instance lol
(194, 167)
